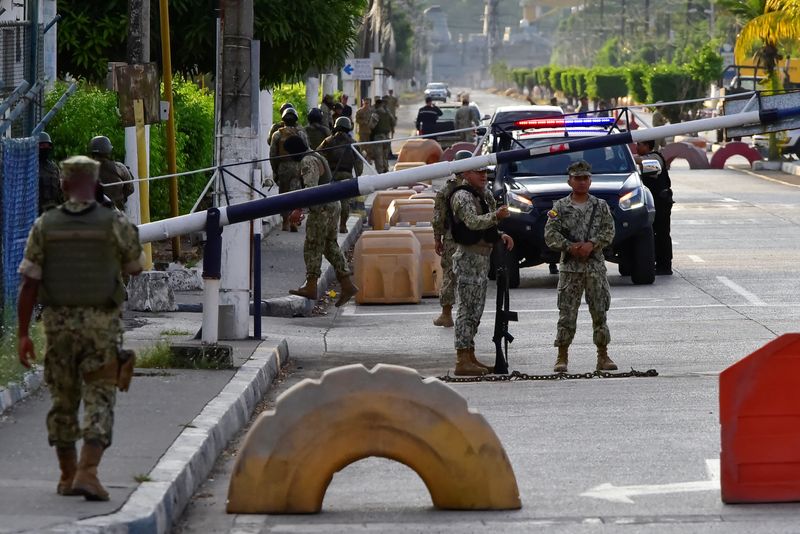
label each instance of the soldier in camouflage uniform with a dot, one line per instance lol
(445, 246)
(382, 131)
(473, 223)
(316, 131)
(581, 226)
(342, 161)
(49, 176)
(112, 173)
(286, 170)
(366, 119)
(320, 228)
(73, 263)
(279, 124)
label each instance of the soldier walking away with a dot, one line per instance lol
(315, 130)
(366, 119)
(50, 194)
(111, 172)
(445, 246)
(320, 228)
(391, 105)
(73, 263)
(466, 117)
(661, 187)
(338, 151)
(580, 225)
(382, 132)
(473, 223)
(279, 124)
(427, 117)
(326, 107)
(286, 170)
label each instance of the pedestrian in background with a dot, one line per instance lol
(580, 225)
(116, 178)
(73, 264)
(473, 222)
(467, 116)
(382, 131)
(50, 194)
(316, 131)
(427, 117)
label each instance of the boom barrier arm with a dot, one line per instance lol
(364, 185)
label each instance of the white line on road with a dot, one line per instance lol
(751, 298)
(696, 259)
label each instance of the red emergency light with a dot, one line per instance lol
(565, 122)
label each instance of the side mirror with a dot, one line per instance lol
(481, 131)
(486, 117)
(651, 167)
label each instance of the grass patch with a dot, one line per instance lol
(163, 356)
(159, 356)
(10, 368)
(142, 478)
(175, 332)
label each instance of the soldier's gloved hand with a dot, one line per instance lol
(502, 213)
(26, 353)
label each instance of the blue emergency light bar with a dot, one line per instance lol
(566, 122)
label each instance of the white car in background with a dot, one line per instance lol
(437, 91)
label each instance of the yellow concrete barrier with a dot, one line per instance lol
(319, 427)
(386, 267)
(377, 215)
(409, 210)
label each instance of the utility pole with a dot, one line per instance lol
(491, 30)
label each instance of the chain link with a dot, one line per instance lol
(517, 376)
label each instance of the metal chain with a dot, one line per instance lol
(516, 376)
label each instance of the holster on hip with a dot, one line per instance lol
(106, 374)
(127, 360)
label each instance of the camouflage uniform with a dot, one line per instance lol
(112, 172)
(316, 133)
(285, 169)
(466, 117)
(567, 224)
(50, 194)
(471, 265)
(342, 161)
(80, 361)
(441, 230)
(321, 224)
(382, 131)
(275, 127)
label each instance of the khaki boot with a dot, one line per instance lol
(464, 365)
(68, 462)
(445, 319)
(85, 482)
(475, 361)
(307, 290)
(285, 224)
(604, 363)
(349, 290)
(561, 362)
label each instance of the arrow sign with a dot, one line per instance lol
(348, 69)
(623, 494)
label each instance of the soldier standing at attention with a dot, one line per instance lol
(382, 132)
(315, 130)
(445, 246)
(473, 222)
(366, 119)
(73, 263)
(342, 160)
(49, 176)
(287, 170)
(580, 225)
(111, 172)
(320, 228)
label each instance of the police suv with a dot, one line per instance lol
(531, 186)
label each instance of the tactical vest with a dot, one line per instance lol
(81, 263)
(342, 158)
(286, 132)
(49, 185)
(325, 175)
(384, 125)
(316, 134)
(461, 233)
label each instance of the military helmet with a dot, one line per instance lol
(289, 111)
(314, 115)
(343, 123)
(44, 137)
(79, 166)
(462, 154)
(100, 145)
(284, 106)
(580, 168)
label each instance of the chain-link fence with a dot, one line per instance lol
(15, 65)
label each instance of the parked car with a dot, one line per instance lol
(446, 123)
(437, 91)
(531, 186)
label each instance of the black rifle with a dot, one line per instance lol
(502, 337)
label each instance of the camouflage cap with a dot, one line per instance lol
(580, 168)
(79, 166)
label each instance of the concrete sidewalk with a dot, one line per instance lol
(172, 425)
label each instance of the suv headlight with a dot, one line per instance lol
(518, 203)
(632, 199)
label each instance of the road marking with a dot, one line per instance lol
(696, 259)
(751, 173)
(623, 494)
(726, 199)
(751, 298)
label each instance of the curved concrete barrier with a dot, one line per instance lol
(426, 150)
(318, 427)
(735, 148)
(696, 157)
(450, 153)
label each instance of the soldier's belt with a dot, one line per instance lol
(478, 248)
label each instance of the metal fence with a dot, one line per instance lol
(15, 61)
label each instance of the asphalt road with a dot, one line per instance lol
(629, 455)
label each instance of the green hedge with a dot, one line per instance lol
(606, 84)
(296, 94)
(555, 78)
(634, 78)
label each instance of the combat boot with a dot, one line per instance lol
(475, 361)
(349, 289)
(464, 365)
(445, 319)
(285, 224)
(561, 362)
(307, 290)
(85, 482)
(604, 363)
(68, 462)
(342, 226)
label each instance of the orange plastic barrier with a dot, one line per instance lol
(430, 262)
(377, 215)
(425, 150)
(386, 267)
(410, 210)
(759, 411)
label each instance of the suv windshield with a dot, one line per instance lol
(604, 160)
(436, 86)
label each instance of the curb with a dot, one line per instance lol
(790, 167)
(155, 505)
(14, 392)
